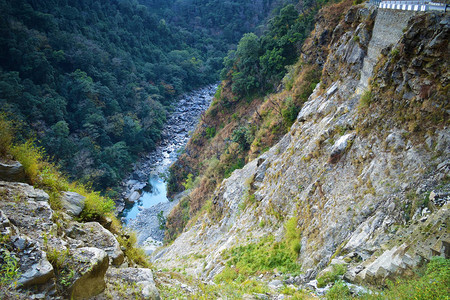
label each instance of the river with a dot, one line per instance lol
(144, 191)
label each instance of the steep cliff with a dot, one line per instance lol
(363, 171)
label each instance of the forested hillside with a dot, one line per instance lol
(93, 80)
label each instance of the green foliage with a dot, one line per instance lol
(31, 157)
(293, 235)
(243, 137)
(394, 52)
(62, 266)
(94, 80)
(161, 220)
(290, 112)
(239, 164)
(58, 258)
(366, 99)
(95, 205)
(338, 270)
(339, 291)
(210, 132)
(266, 255)
(132, 251)
(9, 270)
(189, 183)
(232, 290)
(259, 64)
(6, 135)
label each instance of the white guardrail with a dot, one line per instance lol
(414, 5)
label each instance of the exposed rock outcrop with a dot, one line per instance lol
(55, 255)
(90, 265)
(92, 234)
(11, 171)
(140, 280)
(356, 188)
(73, 203)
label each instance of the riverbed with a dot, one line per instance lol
(144, 191)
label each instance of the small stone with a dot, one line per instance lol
(275, 284)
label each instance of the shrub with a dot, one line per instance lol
(366, 99)
(31, 157)
(6, 135)
(243, 137)
(95, 205)
(9, 270)
(210, 132)
(293, 236)
(339, 291)
(132, 252)
(239, 164)
(332, 276)
(189, 183)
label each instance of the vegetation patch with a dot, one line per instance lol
(263, 256)
(338, 270)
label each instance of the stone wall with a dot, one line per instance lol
(387, 31)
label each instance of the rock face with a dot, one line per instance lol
(73, 203)
(355, 189)
(12, 171)
(92, 234)
(143, 278)
(91, 265)
(55, 255)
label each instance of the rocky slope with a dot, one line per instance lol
(47, 254)
(364, 168)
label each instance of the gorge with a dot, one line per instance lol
(319, 167)
(146, 186)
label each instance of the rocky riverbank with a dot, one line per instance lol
(174, 137)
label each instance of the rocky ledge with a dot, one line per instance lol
(53, 256)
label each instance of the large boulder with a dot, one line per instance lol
(12, 171)
(92, 234)
(90, 265)
(142, 277)
(73, 203)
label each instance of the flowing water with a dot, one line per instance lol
(145, 190)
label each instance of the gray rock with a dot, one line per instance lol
(93, 234)
(275, 284)
(392, 262)
(340, 147)
(12, 171)
(134, 196)
(35, 268)
(73, 203)
(142, 277)
(90, 265)
(24, 190)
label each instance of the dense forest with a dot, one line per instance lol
(93, 80)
